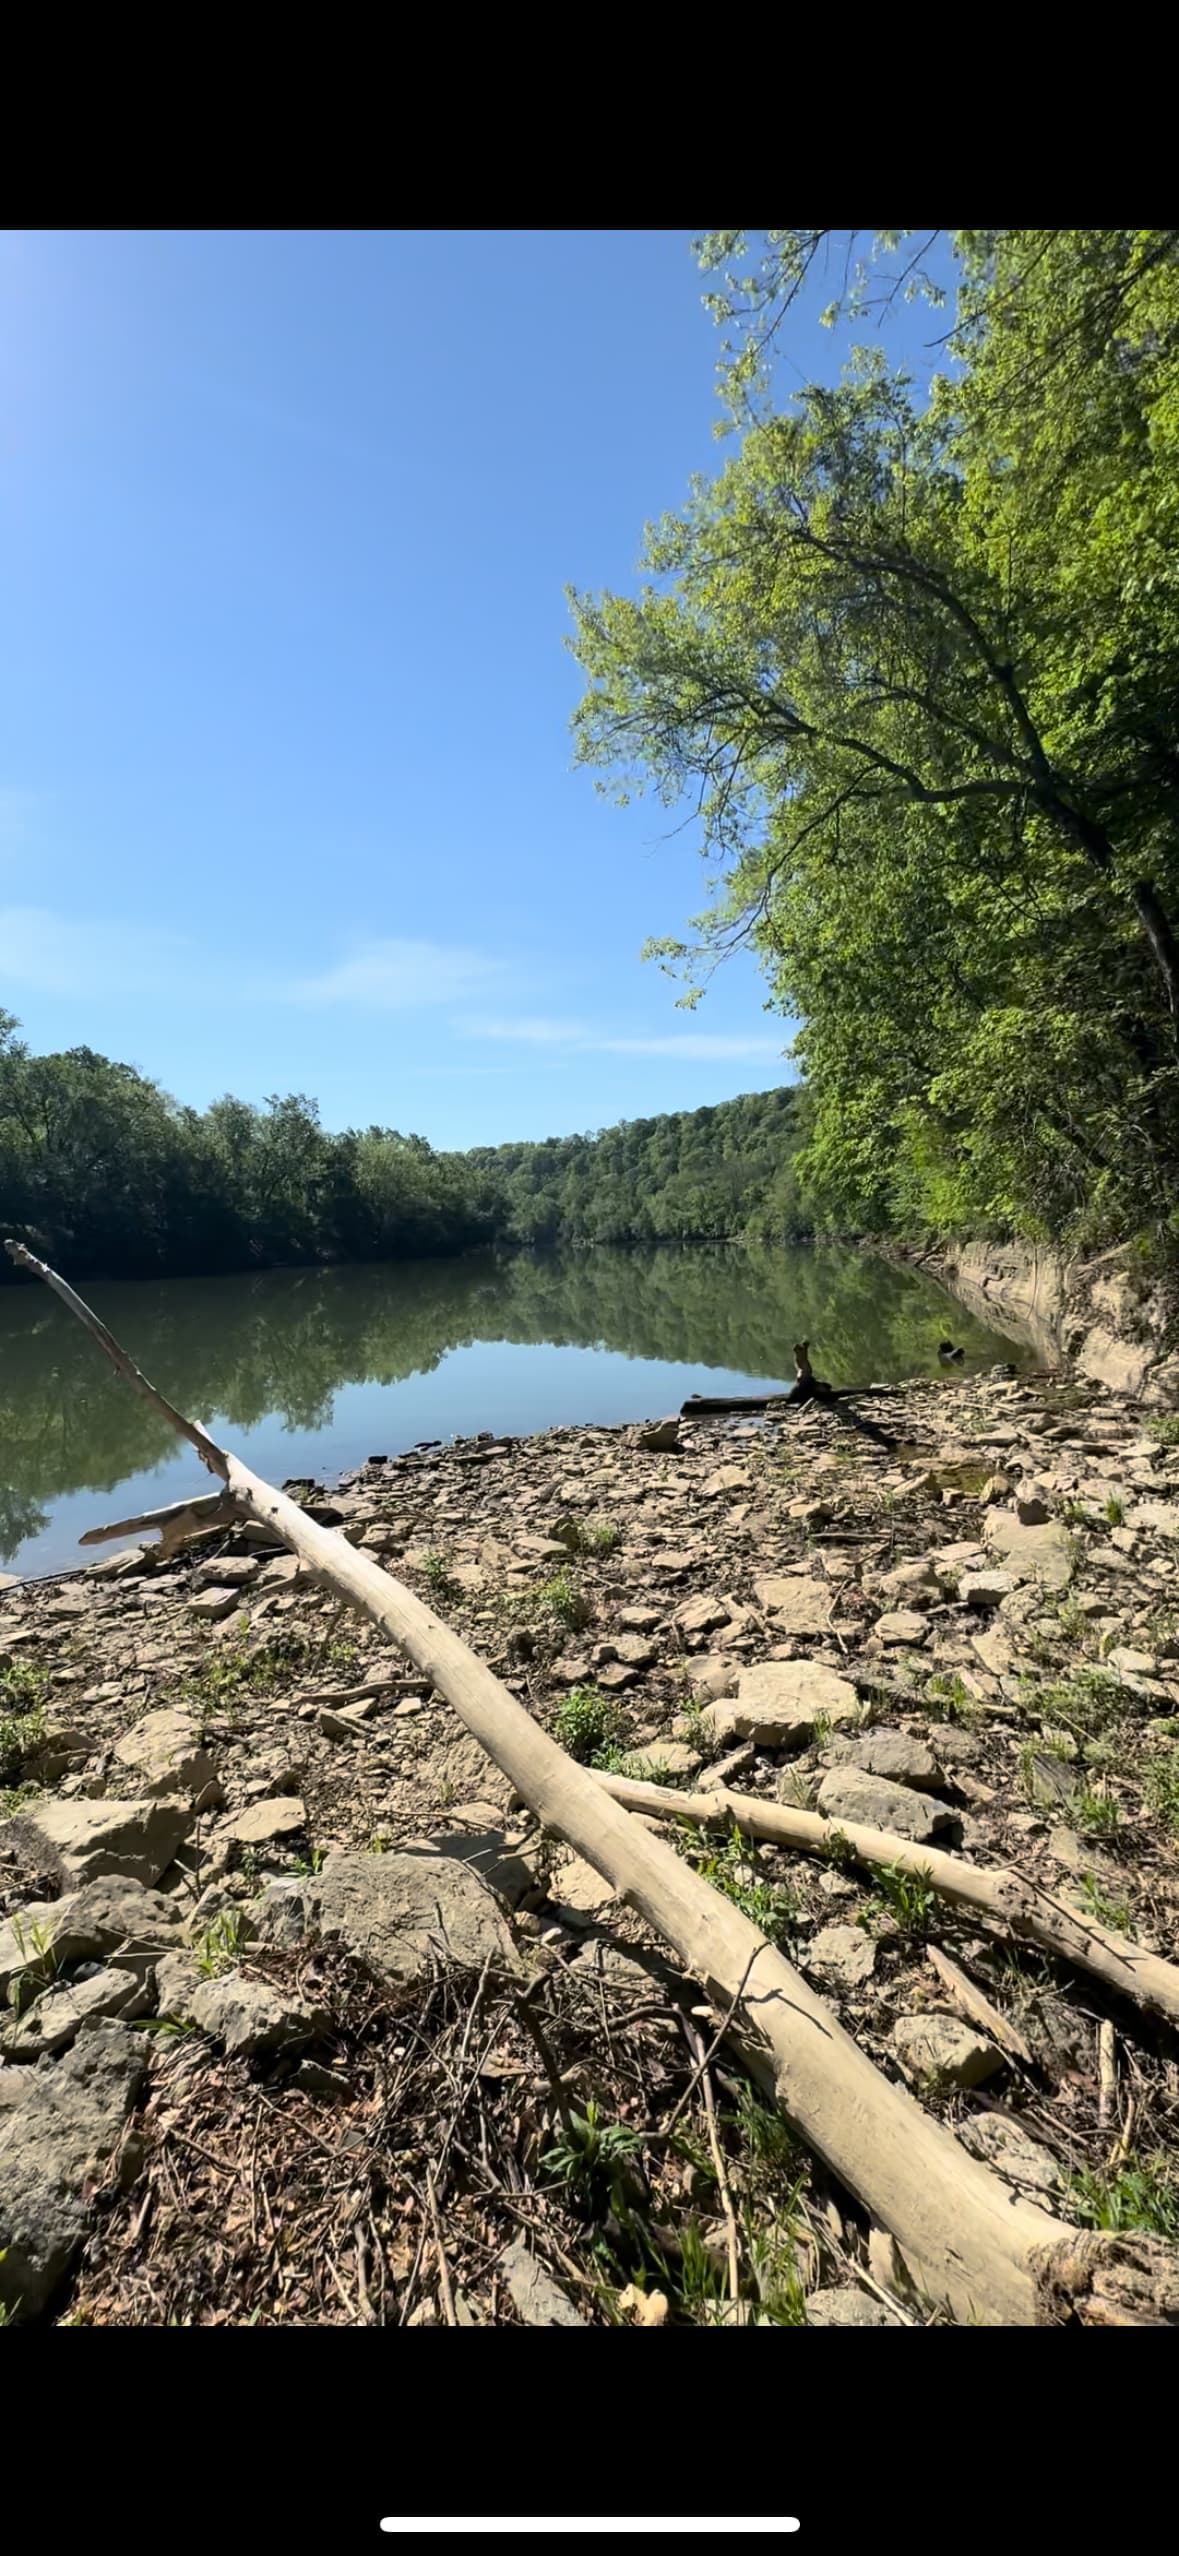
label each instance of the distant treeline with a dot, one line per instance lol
(103, 1174)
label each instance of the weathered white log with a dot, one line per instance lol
(179, 1520)
(1013, 1904)
(991, 2256)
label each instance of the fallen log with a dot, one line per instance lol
(992, 2257)
(1016, 1906)
(177, 1522)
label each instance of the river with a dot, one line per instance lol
(309, 1371)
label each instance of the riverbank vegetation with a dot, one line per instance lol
(911, 657)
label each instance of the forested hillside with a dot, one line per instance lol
(105, 1175)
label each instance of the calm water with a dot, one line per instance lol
(309, 1371)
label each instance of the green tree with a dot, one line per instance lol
(915, 659)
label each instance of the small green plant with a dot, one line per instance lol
(946, 1699)
(1077, 1513)
(1165, 1427)
(586, 1723)
(773, 2262)
(221, 1945)
(1114, 1511)
(563, 1598)
(767, 2143)
(734, 1869)
(1162, 1789)
(910, 1896)
(1140, 2193)
(230, 1669)
(1096, 1812)
(1107, 1912)
(696, 1730)
(24, 1686)
(17, 1797)
(1083, 1704)
(591, 2155)
(436, 1573)
(39, 1965)
(590, 1535)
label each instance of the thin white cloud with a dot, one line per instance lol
(393, 975)
(62, 954)
(705, 1046)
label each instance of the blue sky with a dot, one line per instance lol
(286, 785)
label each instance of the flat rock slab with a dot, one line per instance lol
(112, 1920)
(262, 1823)
(985, 1589)
(902, 1626)
(847, 2307)
(844, 1954)
(937, 2049)
(247, 2015)
(56, 2145)
(136, 1839)
(164, 1754)
(701, 1615)
(56, 2018)
(778, 1703)
(661, 1757)
(1041, 1553)
(798, 1604)
(1001, 2143)
(897, 1756)
(870, 1801)
(534, 2294)
(211, 1606)
(487, 1852)
(404, 1915)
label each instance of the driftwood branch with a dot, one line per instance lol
(991, 2256)
(1014, 1905)
(176, 1522)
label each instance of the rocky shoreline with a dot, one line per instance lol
(237, 1835)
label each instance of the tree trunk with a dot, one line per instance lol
(1015, 1905)
(968, 2241)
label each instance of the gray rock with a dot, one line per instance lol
(842, 1953)
(870, 1801)
(178, 1978)
(1031, 1509)
(231, 1571)
(701, 1615)
(778, 1703)
(893, 1754)
(402, 1914)
(533, 2292)
(117, 1921)
(56, 2018)
(135, 1839)
(847, 2307)
(985, 1589)
(248, 2015)
(56, 2145)
(1041, 1553)
(211, 1606)
(661, 1438)
(910, 1584)
(712, 1675)
(797, 1603)
(904, 1626)
(660, 1757)
(163, 1754)
(263, 1823)
(508, 1874)
(1001, 2143)
(938, 2048)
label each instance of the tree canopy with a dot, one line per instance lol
(912, 657)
